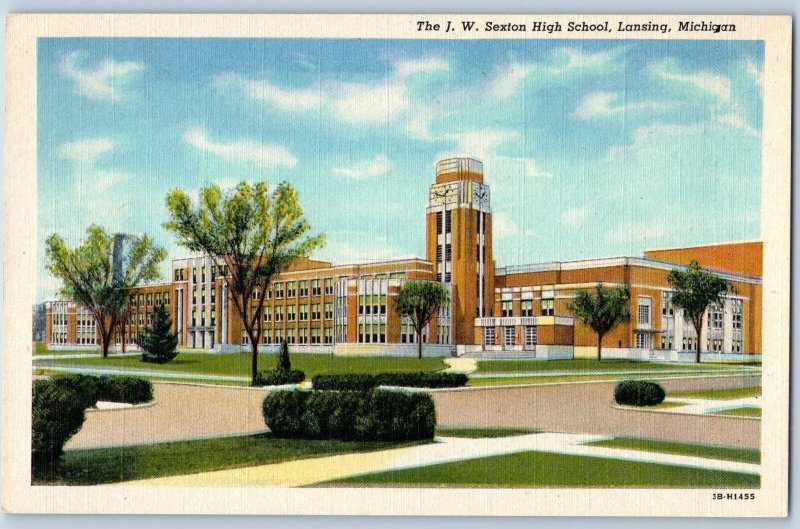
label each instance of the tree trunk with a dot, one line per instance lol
(105, 342)
(124, 329)
(697, 329)
(419, 344)
(254, 362)
(599, 347)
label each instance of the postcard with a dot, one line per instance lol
(397, 264)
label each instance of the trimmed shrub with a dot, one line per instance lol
(284, 362)
(639, 393)
(350, 415)
(362, 382)
(277, 377)
(131, 390)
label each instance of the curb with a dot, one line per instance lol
(124, 408)
(644, 409)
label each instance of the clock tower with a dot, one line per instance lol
(459, 243)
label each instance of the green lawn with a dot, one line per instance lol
(503, 381)
(239, 363)
(475, 433)
(590, 364)
(733, 393)
(539, 469)
(744, 411)
(745, 455)
(111, 465)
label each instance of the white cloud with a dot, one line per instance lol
(756, 72)
(527, 167)
(345, 247)
(580, 59)
(408, 67)
(301, 100)
(630, 232)
(575, 217)
(366, 168)
(503, 226)
(604, 104)
(104, 81)
(736, 120)
(479, 143)
(93, 185)
(264, 154)
(704, 80)
(647, 134)
(368, 102)
(508, 79)
(85, 151)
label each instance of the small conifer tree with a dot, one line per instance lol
(284, 364)
(158, 340)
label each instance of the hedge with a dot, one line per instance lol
(131, 390)
(375, 415)
(277, 377)
(59, 406)
(363, 382)
(639, 393)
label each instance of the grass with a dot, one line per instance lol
(590, 364)
(540, 469)
(504, 381)
(239, 363)
(744, 411)
(112, 465)
(664, 405)
(475, 433)
(718, 394)
(744, 455)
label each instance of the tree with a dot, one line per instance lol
(695, 290)
(255, 234)
(420, 300)
(284, 362)
(602, 310)
(95, 278)
(158, 340)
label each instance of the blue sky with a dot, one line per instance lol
(592, 148)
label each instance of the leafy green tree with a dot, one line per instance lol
(420, 300)
(255, 234)
(88, 278)
(284, 362)
(602, 310)
(695, 290)
(158, 340)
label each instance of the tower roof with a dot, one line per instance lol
(452, 169)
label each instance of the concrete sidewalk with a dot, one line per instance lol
(704, 406)
(446, 449)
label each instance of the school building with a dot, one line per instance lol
(513, 311)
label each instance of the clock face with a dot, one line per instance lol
(480, 195)
(443, 194)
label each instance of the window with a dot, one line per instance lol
(315, 336)
(315, 313)
(328, 311)
(509, 336)
(328, 334)
(303, 313)
(316, 290)
(507, 309)
(291, 312)
(291, 291)
(448, 221)
(644, 311)
(531, 335)
(439, 253)
(488, 336)
(715, 317)
(328, 286)
(644, 340)
(166, 298)
(304, 288)
(278, 313)
(278, 290)
(448, 252)
(439, 222)
(290, 336)
(666, 304)
(736, 310)
(548, 306)
(526, 307)
(303, 335)
(267, 313)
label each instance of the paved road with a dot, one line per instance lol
(588, 408)
(186, 411)
(181, 411)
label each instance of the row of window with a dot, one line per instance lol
(526, 307)
(530, 335)
(139, 300)
(302, 336)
